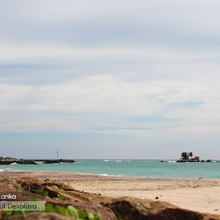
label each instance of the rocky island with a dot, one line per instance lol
(188, 157)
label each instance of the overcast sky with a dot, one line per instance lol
(109, 79)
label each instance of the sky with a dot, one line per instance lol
(109, 79)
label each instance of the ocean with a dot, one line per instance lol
(135, 168)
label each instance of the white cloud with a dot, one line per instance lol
(99, 103)
(11, 52)
(132, 68)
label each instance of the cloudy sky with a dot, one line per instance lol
(109, 79)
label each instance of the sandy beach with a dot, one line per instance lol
(201, 195)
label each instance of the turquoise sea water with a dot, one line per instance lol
(139, 168)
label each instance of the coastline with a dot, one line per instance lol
(202, 195)
(138, 168)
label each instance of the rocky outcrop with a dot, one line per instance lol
(109, 208)
(131, 208)
(8, 161)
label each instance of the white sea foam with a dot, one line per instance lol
(103, 174)
(7, 170)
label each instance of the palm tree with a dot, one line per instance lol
(185, 155)
(191, 154)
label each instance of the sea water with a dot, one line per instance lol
(135, 168)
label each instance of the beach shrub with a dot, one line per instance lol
(68, 211)
(16, 186)
(61, 186)
(72, 212)
(48, 182)
(54, 184)
(61, 197)
(41, 192)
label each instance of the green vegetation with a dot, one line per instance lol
(72, 212)
(66, 211)
(41, 192)
(55, 185)
(16, 186)
(61, 186)
(61, 197)
(69, 211)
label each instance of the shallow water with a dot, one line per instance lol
(143, 168)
